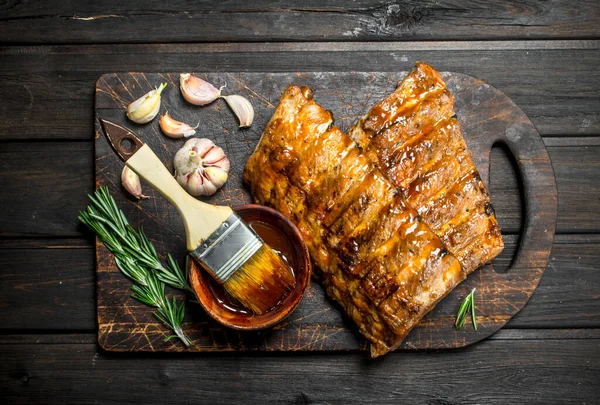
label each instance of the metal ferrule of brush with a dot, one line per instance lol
(228, 248)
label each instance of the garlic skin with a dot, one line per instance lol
(197, 91)
(242, 109)
(145, 108)
(131, 182)
(175, 129)
(201, 167)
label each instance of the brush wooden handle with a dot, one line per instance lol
(200, 219)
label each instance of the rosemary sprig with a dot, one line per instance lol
(137, 258)
(106, 219)
(467, 306)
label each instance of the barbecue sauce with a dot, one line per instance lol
(272, 237)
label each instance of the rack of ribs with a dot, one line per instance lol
(413, 137)
(377, 258)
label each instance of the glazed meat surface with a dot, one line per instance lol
(414, 139)
(377, 258)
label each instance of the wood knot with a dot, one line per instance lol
(22, 376)
(163, 378)
(395, 18)
(303, 399)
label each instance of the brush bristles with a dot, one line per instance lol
(261, 282)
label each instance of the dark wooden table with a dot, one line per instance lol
(545, 55)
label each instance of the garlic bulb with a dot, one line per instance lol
(242, 109)
(201, 167)
(197, 91)
(145, 108)
(175, 129)
(131, 182)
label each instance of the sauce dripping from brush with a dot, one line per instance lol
(278, 242)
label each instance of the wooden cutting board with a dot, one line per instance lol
(486, 116)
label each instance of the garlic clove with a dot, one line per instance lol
(131, 182)
(216, 157)
(175, 129)
(145, 108)
(197, 184)
(216, 176)
(197, 91)
(201, 167)
(242, 109)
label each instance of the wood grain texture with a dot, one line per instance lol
(33, 298)
(378, 20)
(47, 98)
(572, 271)
(577, 167)
(51, 288)
(51, 88)
(547, 371)
(83, 337)
(487, 116)
(51, 181)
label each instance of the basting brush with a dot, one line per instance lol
(249, 270)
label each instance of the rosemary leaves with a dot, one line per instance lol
(467, 306)
(137, 259)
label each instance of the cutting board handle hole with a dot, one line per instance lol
(506, 180)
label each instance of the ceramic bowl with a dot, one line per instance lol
(283, 236)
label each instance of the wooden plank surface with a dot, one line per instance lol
(559, 97)
(379, 20)
(573, 271)
(50, 289)
(83, 337)
(576, 166)
(50, 91)
(51, 286)
(538, 371)
(64, 169)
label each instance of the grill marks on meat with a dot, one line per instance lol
(414, 139)
(378, 259)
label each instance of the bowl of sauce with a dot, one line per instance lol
(282, 236)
